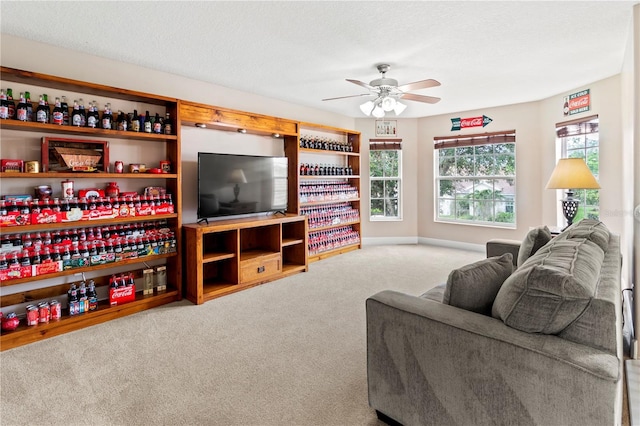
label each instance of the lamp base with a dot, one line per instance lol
(570, 209)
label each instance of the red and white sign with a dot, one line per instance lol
(577, 102)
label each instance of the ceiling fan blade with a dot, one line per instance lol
(344, 97)
(420, 98)
(360, 83)
(422, 84)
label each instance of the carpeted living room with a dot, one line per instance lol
(319, 213)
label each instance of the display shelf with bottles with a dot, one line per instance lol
(324, 184)
(150, 145)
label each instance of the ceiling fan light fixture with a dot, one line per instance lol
(399, 108)
(388, 103)
(366, 108)
(378, 112)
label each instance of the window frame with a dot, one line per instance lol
(474, 141)
(583, 128)
(379, 145)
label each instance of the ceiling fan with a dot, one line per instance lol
(387, 92)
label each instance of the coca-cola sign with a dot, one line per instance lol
(577, 102)
(462, 123)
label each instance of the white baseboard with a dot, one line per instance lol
(452, 244)
(378, 241)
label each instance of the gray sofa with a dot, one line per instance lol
(548, 352)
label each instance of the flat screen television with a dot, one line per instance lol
(230, 184)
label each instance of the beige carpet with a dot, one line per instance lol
(290, 352)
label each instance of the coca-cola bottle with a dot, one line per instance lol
(12, 104)
(93, 119)
(27, 96)
(157, 124)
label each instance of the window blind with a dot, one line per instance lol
(385, 144)
(582, 126)
(441, 142)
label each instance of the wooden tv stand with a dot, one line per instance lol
(231, 255)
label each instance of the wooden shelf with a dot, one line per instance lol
(216, 257)
(325, 151)
(319, 203)
(28, 334)
(86, 131)
(74, 271)
(291, 241)
(254, 254)
(78, 175)
(84, 223)
(325, 177)
(337, 225)
(334, 252)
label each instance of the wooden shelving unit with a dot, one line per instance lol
(298, 155)
(232, 255)
(171, 145)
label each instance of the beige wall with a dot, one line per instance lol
(405, 230)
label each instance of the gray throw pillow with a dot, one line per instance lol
(535, 239)
(474, 287)
(552, 289)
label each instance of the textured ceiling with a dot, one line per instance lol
(484, 53)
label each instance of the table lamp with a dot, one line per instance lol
(570, 174)
(237, 176)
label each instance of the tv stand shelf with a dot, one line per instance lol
(226, 256)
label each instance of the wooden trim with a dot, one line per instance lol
(385, 144)
(577, 121)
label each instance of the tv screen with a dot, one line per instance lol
(230, 184)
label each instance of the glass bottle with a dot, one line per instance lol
(4, 106)
(107, 117)
(92, 115)
(168, 124)
(27, 96)
(12, 104)
(76, 116)
(41, 111)
(57, 117)
(83, 113)
(22, 110)
(147, 123)
(157, 124)
(65, 110)
(135, 121)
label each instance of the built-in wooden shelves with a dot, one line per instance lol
(169, 147)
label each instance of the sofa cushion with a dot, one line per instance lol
(535, 239)
(552, 288)
(474, 287)
(592, 230)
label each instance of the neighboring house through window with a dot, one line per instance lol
(475, 178)
(580, 139)
(385, 179)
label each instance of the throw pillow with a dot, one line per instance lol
(592, 230)
(535, 239)
(552, 289)
(474, 287)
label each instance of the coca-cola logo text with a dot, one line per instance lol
(579, 102)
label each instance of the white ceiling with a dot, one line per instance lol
(484, 53)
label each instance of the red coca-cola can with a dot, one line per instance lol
(55, 309)
(119, 166)
(44, 312)
(32, 315)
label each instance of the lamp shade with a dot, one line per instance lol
(367, 107)
(237, 176)
(572, 173)
(399, 108)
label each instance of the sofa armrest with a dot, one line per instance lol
(498, 247)
(430, 363)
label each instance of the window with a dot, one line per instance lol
(475, 177)
(385, 179)
(580, 139)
